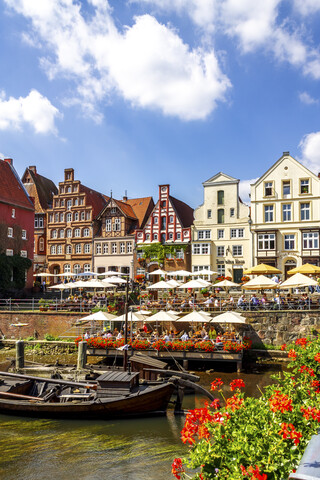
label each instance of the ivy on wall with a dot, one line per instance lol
(159, 251)
(12, 271)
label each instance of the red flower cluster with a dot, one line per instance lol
(229, 346)
(292, 354)
(234, 403)
(238, 383)
(182, 346)
(215, 404)
(219, 417)
(283, 346)
(206, 346)
(177, 468)
(317, 357)
(216, 384)
(280, 401)
(161, 345)
(289, 431)
(195, 424)
(140, 344)
(302, 342)
(307, 370)
(253, 473)
(315, 384)
(311, 412)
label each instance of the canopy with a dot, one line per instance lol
(205, 283)
(298, 280)
(226, 284)
(144, 312)
(181, 273)
(203, 312)
(60, 286)
(96, 284)
(193, 284)
(260, 282)
(174, 313)
(132, 317)
(158, 272)
(162, 285)
(116, 280)
(195, 317)
(110, 273)
(98, 316)
(43, 274)
(86, 274)
(173, 283)
(229, 317)
(262, 269)
(307, 268)
(162, 316)
(106, 284)
(79, 284)
(205, 272)
(65, 274)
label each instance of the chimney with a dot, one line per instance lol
(319, 175)
(286, 154)
(125, 197)
(33, 168)
(9, 160)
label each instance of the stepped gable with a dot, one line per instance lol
(96, 199)
(184, 212)
(12, 190)
(41, 189)
(142, 208)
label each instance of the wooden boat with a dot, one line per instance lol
(116, 394)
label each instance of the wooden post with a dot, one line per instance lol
(82, 355)
(19, 354)
(185, 363)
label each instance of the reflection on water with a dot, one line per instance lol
(140, 449)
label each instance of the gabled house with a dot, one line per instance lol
(165, 239)
(16, 227)
(115, 239)
(42, 190)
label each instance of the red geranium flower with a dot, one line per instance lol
(238, 383)
(216, 384)
(177, 468)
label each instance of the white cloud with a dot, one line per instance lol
(307, 99)
(244, 189)
(35, 110)
(148, 64)
(307, 7)
(310, 149)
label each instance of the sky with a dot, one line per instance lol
(137, 93)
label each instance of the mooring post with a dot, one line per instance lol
(82, 355)
(19, 354)
(185, 363)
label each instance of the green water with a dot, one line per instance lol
(140, 449)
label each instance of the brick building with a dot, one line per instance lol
(16, 223)
(41, 189)
(70, 227)
(115, 241)
(165, 239)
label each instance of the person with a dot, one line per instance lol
(203, 332)
(254, 301)
(212, 333)
(166, 337)
(87, 335)
(241, 302)
(208, 302)
(145, 328)
(275, 278)
(184, 337)
(109, 334)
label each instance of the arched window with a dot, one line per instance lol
(77, 248)
(53, 250)
(76, 268)
(67, 268)
(163, 223)
(61, 233)
(41, 244)
(59, 249)
(86, 232)
(61, 217)
(220, 197)
(68, 249)
(77, 232)
(76, 217)
(69, 233)
(83, 215)
(54, 234)
(69, 217)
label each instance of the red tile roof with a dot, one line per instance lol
(96, 199)
(142, 208)
(12, 190)
(41, 189)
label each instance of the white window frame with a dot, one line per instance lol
(204, 234)
(268, 213)
(10, 232)
(87, 248)
(305, 211)
(237, 250)
(236, 232)
(286, 212)
(310, 240)
(266, 239)
(98, 249)
(108, 224)
(24, 253)
(122, 247)
(220, 250)
(289, 242)
(105, 248)
(114, 248)
(77, 248)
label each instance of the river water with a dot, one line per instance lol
(139, 449)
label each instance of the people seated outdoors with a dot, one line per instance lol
(87, 335)
(185, 303)
(166, 337)
(264, 300)
(216, 303)
(254, 302)
(184, 337)
(242, 303)
(212, 333)
(120, 335)
(209, 301)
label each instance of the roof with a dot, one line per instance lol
(220, 178)
(126, 209)
(12, 190)
(142, 208)
(96, 199)
(41, 189)
(184, 212)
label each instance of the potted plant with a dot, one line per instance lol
(43, 307)
(205, 292)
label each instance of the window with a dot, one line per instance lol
(268, 213)
(75, 188)
(220, 234)
(38, 221)
(108, 225)
(86, 267)
(286, 212)
(305, 211)
(24, 253)
(178, 236)
(53, 250)
(75, 201)
(155, 236)
(105, 248)
(41, 244)
(122, 247)
(76, 217)
(82, 216)
(13, 213)
(68, 250)
(220, 197)
(56, 217)
(10, 232)
(113, 211)
(59, 249)
(69, 217)
(236, 232)
(98, 248)
(129, 247)
(304, 186)
(268, 190)
(141, 271)
(163, 238)
(86, 232)
(78, 248)
(113, 248)
(80, 201)
(87, 248)
(148, 236)
(62, 203)
(196, 249)
(180, 253)
(69, 233)
(67, 268)
(289, 243)
(171, 218)
(54, 234)
(24, 234)
(221, 215)
(170, 236)
(139, 254)
(231, 212)
(201, 248)
(205, 250)
(155, 220)
(209, 213)
(310, 240)
(220, 251)
(163, 223)
(266, 241)
(51, 218)
(169, 255)
(221, 269)
(76, 268)
(237, 250)
(68, 189)
(88, 215)
(163, 204)
(286, 188)
(117, 224)
(204, 234)
(69, 204)
(77, 232)
(61, 233)
(9, 252)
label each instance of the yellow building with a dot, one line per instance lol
(221, 239)
(285, 214)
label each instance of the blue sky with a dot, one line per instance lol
(135, 93)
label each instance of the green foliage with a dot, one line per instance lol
(51, 338)
(12, 271)
(159, 251)
(257, 438)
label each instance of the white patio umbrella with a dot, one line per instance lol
(162, 316)
(195, 317)
(205, 283)
(226, 284)
(99, 316)
(116, 280)
(203, 312)
(65, 274)
(43, 274)
(110, 273)
(205, 272)
(229, 317)
(192, 284)
(173, 283)
(80, 284)
(181, 273)
(298, 280)
(86, 274)
(144, 312)
(132, 317)
(174, 313)
(95, 284)
(259, 283)
(158, 272)
(107, 284)
(162, 285)
(61, 287)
